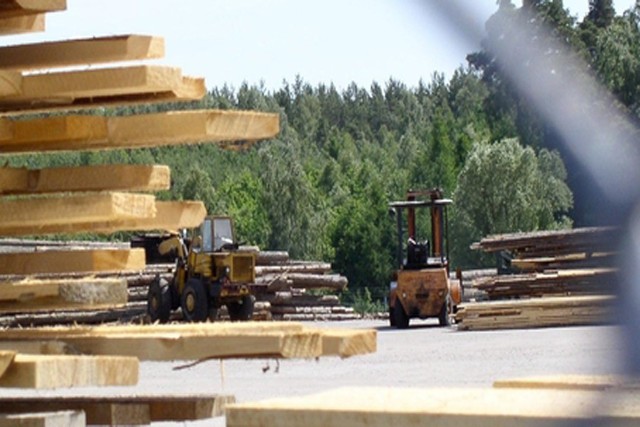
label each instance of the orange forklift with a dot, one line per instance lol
(422, 287)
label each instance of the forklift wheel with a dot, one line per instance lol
(159, 300)
(242, 310)
(443, 317)
(194, 301)
(401, 318)
(392, 317)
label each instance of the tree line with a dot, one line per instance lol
(320, 190)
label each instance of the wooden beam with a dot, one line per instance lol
(44, 419)
(35, 295)
(6, 359)
(78, 132)
(104, 85)
(170, 216)
(571, 382)
(440, 407)
(34, 213)
(347, 343)
(85, 179)
(55, 371)
(125, 409)
(61, 261)
(22, 24)
(185, 342)
(10, 8)
(10, 83)
(81, 52)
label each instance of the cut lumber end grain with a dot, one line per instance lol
(63, 371)
(22, 24)
(368, 407)
(30, 7)
(347, 343)
(10, 83)
(571, 382)
(44, 419)
(6, 358)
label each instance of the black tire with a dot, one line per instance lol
(159, 301)
(195, 306)
(242, 310)
(213, 313)
(401, 318)
(392, 317)
(443, 316)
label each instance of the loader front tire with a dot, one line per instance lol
(194, 301)
(401, 318)
(159, 301)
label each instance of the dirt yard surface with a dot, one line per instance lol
(425, 355)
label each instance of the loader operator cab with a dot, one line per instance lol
(422, 287)
(216, 234)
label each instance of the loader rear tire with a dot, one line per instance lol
(195, 307)
(159, 301)
(242, 310)
(443, 317)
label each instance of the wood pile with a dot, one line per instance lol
(299, 290)
(552, 278)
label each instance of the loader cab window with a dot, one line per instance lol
(206, 234)
(223, 232)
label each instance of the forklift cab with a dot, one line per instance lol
(216, 233)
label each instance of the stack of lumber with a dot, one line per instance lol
(299, 290)
(558, 278)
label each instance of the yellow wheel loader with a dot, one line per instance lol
(421, 287)
(210, 273)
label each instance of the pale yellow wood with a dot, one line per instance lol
(44, 419)
(6, 358)
(36, 295)
(571, 382)
(138, 131)
(36, 347)
(81, 52)
(29, 7)
(170, 216)
(185, 342)
(71, 209)
(103, 85)
(128, 408)
(73, 261)
(10, 83)
(347, 343)
(22, 24)
(440, 407)
(56, 371)
(85, 179)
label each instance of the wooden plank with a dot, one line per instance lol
(37, 295)
(94, 260)
(170, 216)
(440, 407)
(347, 343)
(77, 132)
(125, 409)
(22, 24)
(44, 419)
(185, 342)
(85, 179)
(63, 371)
(571, 382)
(81, 52)
(10, 83)
(103, 85)
(10, 8)
(34, 213)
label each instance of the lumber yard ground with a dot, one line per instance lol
(424, 356)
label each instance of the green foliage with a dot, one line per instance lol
(363, 303)
(505, 187)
